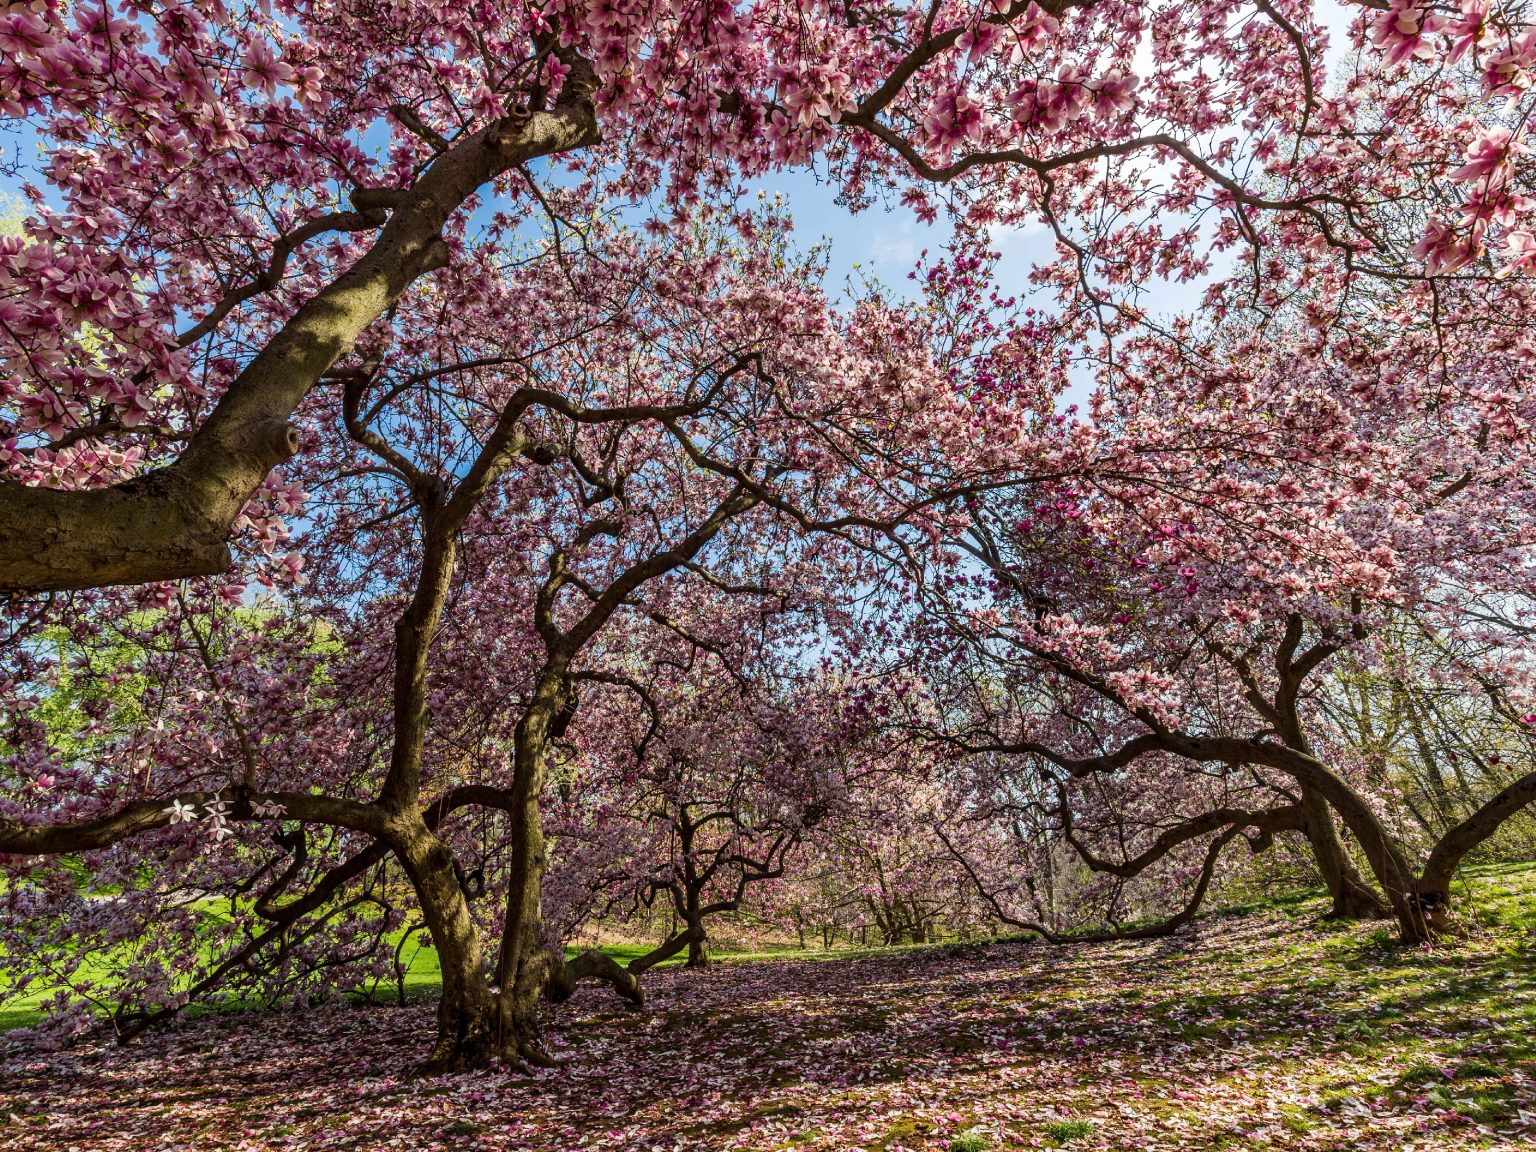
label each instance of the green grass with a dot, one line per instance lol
(423, 978)
(1062, 1131)
(970, 1142)
(1499, 897)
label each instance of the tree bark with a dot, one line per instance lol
(526, 965)
(1352, 897)
(469, 1033)
(1434, 889)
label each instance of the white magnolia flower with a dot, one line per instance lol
(268, 809)
(181, 813)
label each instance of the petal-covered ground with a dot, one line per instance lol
(1264, 1031)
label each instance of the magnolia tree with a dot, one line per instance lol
(874, 866)
(501, 498)
(231, 200)
(954, 831)
(707, 794)
(893, 865)
(1116, 636)
(1104, 858)
(522, 449)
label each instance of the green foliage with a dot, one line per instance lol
(11, 212)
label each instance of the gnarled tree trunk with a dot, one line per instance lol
(1433, 896)
(1352, 897)
(527, 966)
(469, 1033)
(478, 1024)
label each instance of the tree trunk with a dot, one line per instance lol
(698, 941)
(1397, 878)
(526, 965)
(468, 1031)
(1352, 896)
(1391, 868)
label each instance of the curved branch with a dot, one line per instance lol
(1448, 852)
(174, 522)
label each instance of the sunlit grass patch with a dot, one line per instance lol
(971, 1142)
(1064, 1131)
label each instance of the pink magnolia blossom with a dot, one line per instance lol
(1402, 30)
(1490, 155)
(1507, 72)
(1519, 252)
(1469, 29)
(1442, 248)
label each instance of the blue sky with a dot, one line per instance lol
(886, 242)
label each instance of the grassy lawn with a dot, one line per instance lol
(423, 977)
(1491, 897)
(1261, 1027)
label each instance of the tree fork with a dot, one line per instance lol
(1352, 897)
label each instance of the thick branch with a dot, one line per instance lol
(22, 839)
(174, 522)
(1448, 853)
